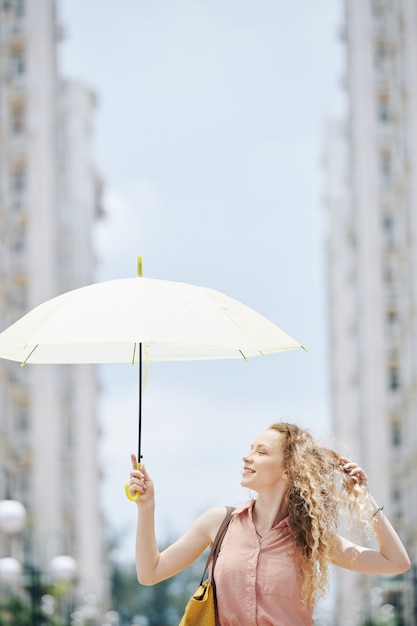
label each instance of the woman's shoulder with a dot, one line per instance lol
(215, 514)
(211, 520)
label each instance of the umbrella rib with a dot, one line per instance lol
(246, 358)
(28, 356)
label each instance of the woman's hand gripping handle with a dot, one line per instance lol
(139, 482)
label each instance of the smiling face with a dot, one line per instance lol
(264, 465)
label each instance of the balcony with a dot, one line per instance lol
(14, 31)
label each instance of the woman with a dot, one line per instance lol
(273, 562)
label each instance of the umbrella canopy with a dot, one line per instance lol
(105, 323)
(134, 319)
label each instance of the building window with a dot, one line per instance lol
(351, 237)
(385, 164)
(17, 115)
(19, 240)
(391, 322)
(394, 379)
(17, 62)
(391, 325)
(22, 418)
(377, 6)
(18, 180)
(381, 54)
(19, 7)
(388, 274)
(396, 434)
(25, 486)
(383, 110)
(396, 495)
(388, 224)
(389, 230)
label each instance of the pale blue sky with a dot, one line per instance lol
(210, 135)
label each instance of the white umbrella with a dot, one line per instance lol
(127, 320)
(105, 322)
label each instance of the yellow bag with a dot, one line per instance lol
(200, 609)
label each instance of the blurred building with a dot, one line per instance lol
(372, 252)
(49, 202)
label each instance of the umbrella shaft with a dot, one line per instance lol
(140, 405)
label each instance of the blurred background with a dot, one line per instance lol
(265, 150)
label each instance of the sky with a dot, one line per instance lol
(209, 136)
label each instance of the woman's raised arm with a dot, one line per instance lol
(152, 566)
(391, 556)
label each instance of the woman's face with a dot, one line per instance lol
(264, 466)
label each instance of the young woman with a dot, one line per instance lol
(273, 562)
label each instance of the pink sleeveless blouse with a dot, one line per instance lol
(256, 580)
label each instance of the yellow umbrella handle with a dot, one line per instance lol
(129, 496)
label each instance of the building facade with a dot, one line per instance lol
(49, 202)
(372, 254)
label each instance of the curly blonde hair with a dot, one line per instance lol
(320, 490)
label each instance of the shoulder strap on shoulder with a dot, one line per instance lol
(215, 548)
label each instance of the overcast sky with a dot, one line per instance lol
(210, 129)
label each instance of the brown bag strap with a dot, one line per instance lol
(215, 548)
